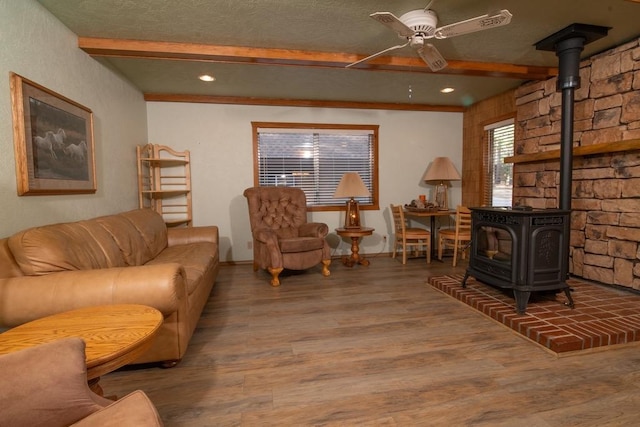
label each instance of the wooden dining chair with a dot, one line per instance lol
(408, 237)
(457, 238)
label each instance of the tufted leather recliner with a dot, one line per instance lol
(282, 237)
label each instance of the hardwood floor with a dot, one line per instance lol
(374, 346)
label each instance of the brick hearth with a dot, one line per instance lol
(601, 317)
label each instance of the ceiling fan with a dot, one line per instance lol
(419, 25)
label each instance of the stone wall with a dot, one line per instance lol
(605, 224)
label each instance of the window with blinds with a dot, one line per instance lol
(499, 175)
(314, 158)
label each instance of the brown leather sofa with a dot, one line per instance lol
(127, 258)
(46, 385)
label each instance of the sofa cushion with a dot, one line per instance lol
(195, 258)
(138, 233)
(151, 229)
(82, 245)
(8, 265)
(45, 385)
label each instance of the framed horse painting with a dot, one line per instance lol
(53, 141)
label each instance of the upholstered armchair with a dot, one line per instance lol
(46, 385)
(282, 237)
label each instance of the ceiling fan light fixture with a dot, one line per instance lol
(421, 21)
(416, 41)
(416, 26)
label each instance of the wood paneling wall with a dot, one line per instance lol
(473, 149)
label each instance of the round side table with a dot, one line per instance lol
(355, 234)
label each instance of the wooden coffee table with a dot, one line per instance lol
(115, 335)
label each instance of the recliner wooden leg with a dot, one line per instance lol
(275, 272)
(325, 267)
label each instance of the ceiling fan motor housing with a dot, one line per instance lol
(423, 22)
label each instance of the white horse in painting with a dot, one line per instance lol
(76, 152)
(51, 142)
(45, 144)
(57, 139)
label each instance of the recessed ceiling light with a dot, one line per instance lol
(447, 90)
(207, 78)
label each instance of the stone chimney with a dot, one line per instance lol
(605, 192)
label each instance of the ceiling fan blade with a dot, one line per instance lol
(382, 52)
(478, 23)
(432, 57)
(391, 21)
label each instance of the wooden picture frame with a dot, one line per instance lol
(53, 141)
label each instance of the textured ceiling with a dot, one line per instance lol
(331, 26)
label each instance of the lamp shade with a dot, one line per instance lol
(441, 169)
(351, 185)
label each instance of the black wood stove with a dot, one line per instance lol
(520, 249)
(527, 250)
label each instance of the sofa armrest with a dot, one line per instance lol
(135, 410)
(186, 235)
(314, 229)
(22, 299)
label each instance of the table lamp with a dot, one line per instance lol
(441, 170)
(351, 186)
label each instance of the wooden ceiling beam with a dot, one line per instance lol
(143, 49)
(238, 100)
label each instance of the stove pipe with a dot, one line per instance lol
(568, 52)
(568, 44)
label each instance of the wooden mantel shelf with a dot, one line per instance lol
(586, 150)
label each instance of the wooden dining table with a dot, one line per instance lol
(432, 214)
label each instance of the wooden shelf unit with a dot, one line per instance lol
(164, 183)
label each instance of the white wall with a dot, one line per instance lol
(220, 140)
(38, 47)
(219, 137)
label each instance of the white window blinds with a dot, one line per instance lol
(499, 177)
(315, 160)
